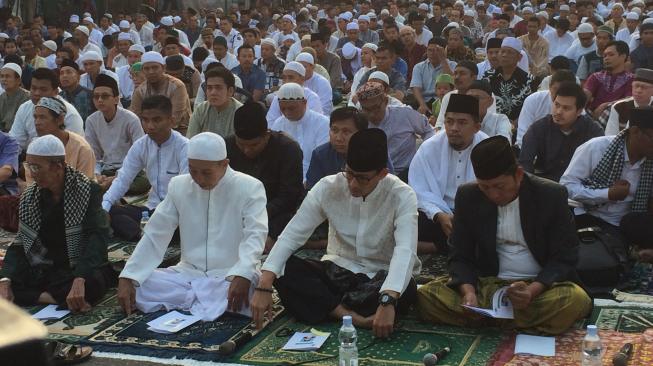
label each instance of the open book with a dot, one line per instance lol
(501, 306)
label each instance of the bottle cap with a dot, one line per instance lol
(145, 214)
(592, 330)
(346, 320)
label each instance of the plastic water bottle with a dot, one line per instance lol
(347, 337)
(592, 348)
(145, 217)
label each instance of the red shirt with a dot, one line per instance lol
(416, 55)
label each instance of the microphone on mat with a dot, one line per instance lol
(230, 346)
(622, 357)
(431, 359)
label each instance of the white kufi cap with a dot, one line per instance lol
(296, 67)
(207, 146)
(91, 56)
(291, 91)
(124, 24)
(352, 26)
(47, 145)
(349, 51)
(585, 28)
(380, 75)
(513, 43)
(305, 57)
(83, 29)
(51, 45)
(137, 48)
(122, 36)
(14, 67)
(153, 56)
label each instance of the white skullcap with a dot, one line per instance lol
(352, 26)
(380, 75)
(648, 21)
(345, 16)
(632, 16)
(124, 24)
(91, 56)
(371, 46)
(13, 67)
(305, 57)
(51, 45)
(137, 48)
(585, 28)
(385, 12)
(513, 43)
(583, 19)
(469, 13)
(276, 16)
(637, 2)
(207, 62)
(564, 7)
(270, 42)
(289, 18)
(88, 19)
(371, 15)
(542, 6)
(498, 11)
(296, 67)
(74, 19)
(480, 3)
(207, 146)
(291, 91)
(423, 7)
(153, 56)
(459, 2)
(47, 145)
(304, 10)
(306, 37)
(639, 12)
(452, 25)
(4, 35)
(84, 30)
(527, 9)
(364, 18)
(125, 37)
(527, 3)
(619, 5)
(177, 19)
(543, 14)
(349, 51)
(167, 21)
(86, 14)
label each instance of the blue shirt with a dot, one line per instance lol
(9, 150)
(326, 161)
(254, 80)
(401, 66)
(424, 75)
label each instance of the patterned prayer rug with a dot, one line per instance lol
(121, 251)
(407, 345)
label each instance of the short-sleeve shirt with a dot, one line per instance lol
(606, 87)
(254, 80)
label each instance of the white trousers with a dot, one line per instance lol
(205, 297)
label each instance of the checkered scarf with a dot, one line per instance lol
(609, 170)
(76, 195)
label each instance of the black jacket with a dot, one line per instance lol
(547, 225)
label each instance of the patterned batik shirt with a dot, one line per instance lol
(510, 94)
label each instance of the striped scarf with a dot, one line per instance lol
(609, 170)
(76, 195)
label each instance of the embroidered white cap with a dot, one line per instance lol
(4, 35)
(167, 21)
(527, 9)
(632, 16)
(305, 57)
(380, 75)
(385, 12)
(13, 67)
(585, 28)
(296, 67)
(207, 146)
(513, 43)
(176, 19)
(153, 56)
(289, 18)
(470, 13)
(423, 6)
(349, 51)
(291, 91)
(124, 24)
(371, 46)
(352, 26)
(346, 16)
(83, 29)
(47, 145)
(137, 48)
(74, 19)
(125, 37)
(91, 56)
(51, 45)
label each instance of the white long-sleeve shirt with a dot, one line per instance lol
(313, 103)
(146, 35)
(536, 106)
(583, 163)
(222, 230)
(436, 172)
(494, 124)
(558, 45)
(161, 163)
(24, 130)
(311, 131)
(112, 140)
(321, 87)
(360, 239)
(125, 82)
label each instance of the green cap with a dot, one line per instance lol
(137, 67)
(444, 78)
(606, 29)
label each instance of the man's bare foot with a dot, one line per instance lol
(46, 298)
(356, 319)
(426, 247)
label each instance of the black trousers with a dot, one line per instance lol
(27, 291)
(126, 220)
(277, 223)
(637, 227)
(311, 289)
(430, 231)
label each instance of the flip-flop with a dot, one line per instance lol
(69, 354)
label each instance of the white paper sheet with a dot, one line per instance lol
(534, 345)
(172, 322)
(50, 312)
(306, 341)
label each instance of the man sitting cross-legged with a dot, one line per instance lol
(60, 253)
(370, 258)
(510, 229)
(222, 224)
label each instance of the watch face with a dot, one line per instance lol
(385, 298)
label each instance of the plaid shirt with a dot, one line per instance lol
(82, 99)
(272, 71)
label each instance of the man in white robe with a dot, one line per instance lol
(371, 258)
(294, 72)
(308, 128)
(317, 83)
(221, 244)
(441, 165)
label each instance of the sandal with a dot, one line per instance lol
(68, 354)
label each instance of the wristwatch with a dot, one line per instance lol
(385, 300)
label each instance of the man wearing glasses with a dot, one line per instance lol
(440, 166)
(367, 271)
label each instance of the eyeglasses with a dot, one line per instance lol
(33, 168)
(360, 178)
(102, 96)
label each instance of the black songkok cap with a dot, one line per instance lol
(461, 103)
(174, 63)
(493, 157)
(249, 121)
(493, 43)
(317, 37)
(107, 81)
(641, 117)
(66, 62)
(368, 150)
(483, 85)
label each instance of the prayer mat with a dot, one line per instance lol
(407, 346)
(639, 280)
